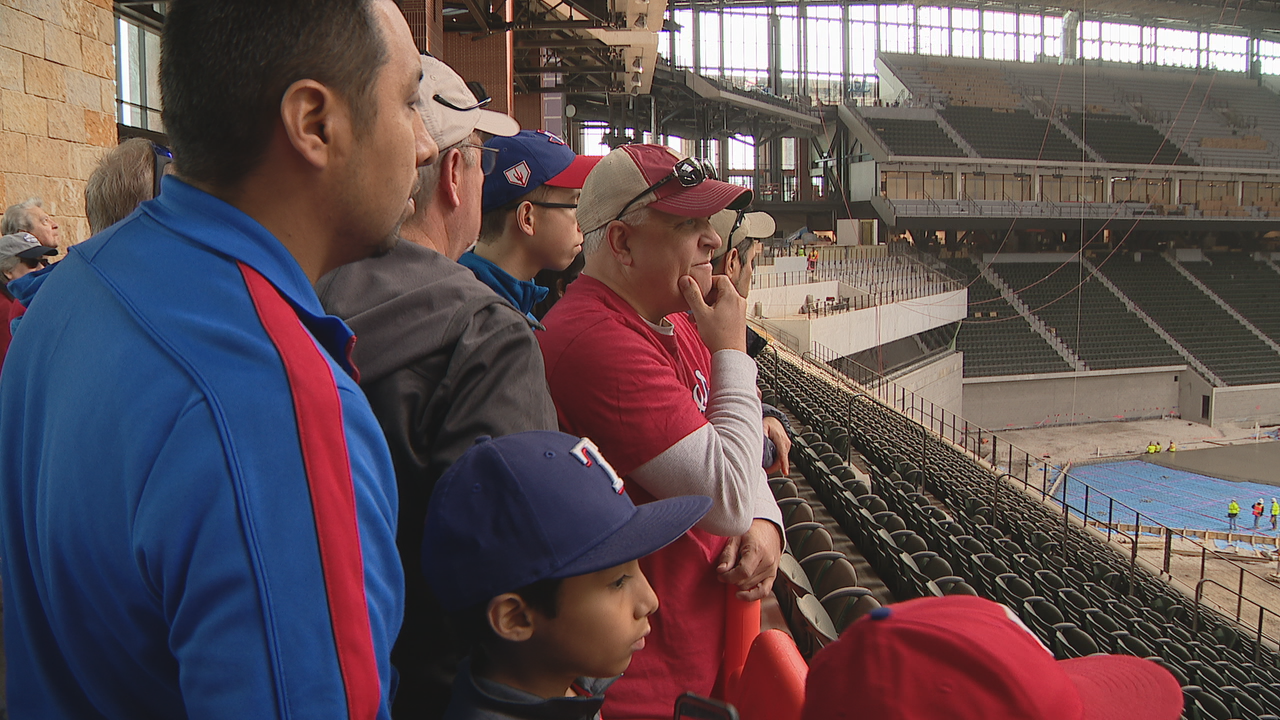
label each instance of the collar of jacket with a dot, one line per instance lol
(205, 220)
(488, 699)
(523, 294)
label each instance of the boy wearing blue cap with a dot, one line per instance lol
(530, 221)
(533, 546)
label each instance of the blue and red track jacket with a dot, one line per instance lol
(197, 506)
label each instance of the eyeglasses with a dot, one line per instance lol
(163, 159)
(689, 172)
(482, 98)
(566, 206)
(488, 156)
(737, 222)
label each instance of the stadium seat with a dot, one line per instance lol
(848, 604)
(771, 686)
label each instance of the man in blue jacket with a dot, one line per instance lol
(197, 505)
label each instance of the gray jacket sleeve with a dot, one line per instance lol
(495, 383)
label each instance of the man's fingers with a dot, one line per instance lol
(729, 557)
(693, 295)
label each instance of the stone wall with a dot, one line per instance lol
(57, 103)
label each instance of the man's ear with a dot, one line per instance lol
(451, 166)
(732, 263)
(618, 237)
(316, 122)
(510, 617)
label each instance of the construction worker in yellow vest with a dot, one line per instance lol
(1275, 513)
(1173, 447)
(1233, 510)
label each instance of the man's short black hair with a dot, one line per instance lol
(472, 624)
(225, 65)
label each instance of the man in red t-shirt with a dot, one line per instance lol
(646, 355)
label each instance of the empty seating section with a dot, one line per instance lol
(1207, 331)
(980, 85)
(1011, 134)
(1249, 286)
(995, 339)
(1093, 322)
(914, 137)
(942, 523)
(1119, 139)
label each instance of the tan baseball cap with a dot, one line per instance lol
(451, 111)
(754, 225)
(618, 182)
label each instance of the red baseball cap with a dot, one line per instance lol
(619, 180)
(963, 657)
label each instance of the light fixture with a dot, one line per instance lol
(636, 80)
(637, 64)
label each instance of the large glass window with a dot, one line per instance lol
(137, 77)
(1000, 35)
(1073, 188)
(746, 46)
(824, 61)
(898, 28)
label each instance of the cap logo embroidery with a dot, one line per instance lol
(519, 174)
(551, 138)
(588, 454)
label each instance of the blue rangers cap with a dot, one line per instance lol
(530, 159)
(534, 506)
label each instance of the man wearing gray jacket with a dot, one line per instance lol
(442, 358)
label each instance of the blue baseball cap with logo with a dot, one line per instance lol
(529, 159)
(534, 506)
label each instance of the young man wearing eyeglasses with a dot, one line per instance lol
(646, 354)
(530, 221)
(443, 359)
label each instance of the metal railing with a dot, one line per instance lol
(1037, 476)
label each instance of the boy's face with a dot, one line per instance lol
(601, 619)
(557, 238)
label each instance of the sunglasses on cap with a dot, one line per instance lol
(163, 159)
(689, 172)
(481, 95)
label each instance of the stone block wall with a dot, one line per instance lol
(57, 103)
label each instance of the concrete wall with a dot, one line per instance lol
(1020, 401)
(940, 382)
(1191, 391)
(783, 265)
(1245, 405)
(787, 300)
(858, 330)
(57, 103)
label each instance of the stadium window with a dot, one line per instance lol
(897, 28)
(1260, 193)
(1269, 57)
(1052, 36)
(1120, 43)
(935, 31)
(591, 139)
(709, 44)
(1177, 48)
(789, 51)
(742, 153)
(1194, 191)
(788, 169)
(999, 35)
(1030, 37)
(1228, 52)
(862, 40)
(1072, 188)
(964, 32)
(746, 47)
(682, 41)
(1090, 40)
(824, 64)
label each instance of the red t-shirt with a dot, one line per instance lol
(9, 309)
(636, 392)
